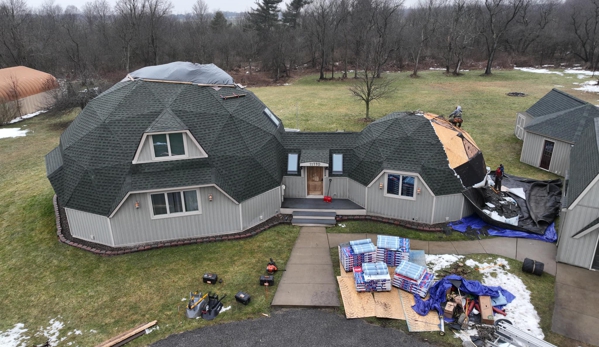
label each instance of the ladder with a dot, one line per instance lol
(506, 332)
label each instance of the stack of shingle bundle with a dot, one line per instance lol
(372, 277)
(392, 250)
(357, 252)
(413, 278)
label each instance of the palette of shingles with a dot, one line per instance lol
(356, 253)
(372, 277)
(392, 250)
(413, 278)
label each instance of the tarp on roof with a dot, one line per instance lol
(19, 82)
(180, 71)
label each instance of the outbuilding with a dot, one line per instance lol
(24, 91)
(179, 151)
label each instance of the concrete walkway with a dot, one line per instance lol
(309, 280)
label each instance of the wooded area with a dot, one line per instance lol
(336, 37)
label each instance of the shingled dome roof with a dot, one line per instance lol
(92, 169)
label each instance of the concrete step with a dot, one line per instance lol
(313, 222)
(314, 215)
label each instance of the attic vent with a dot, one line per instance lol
(272, 117)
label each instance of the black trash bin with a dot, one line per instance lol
(532, 267)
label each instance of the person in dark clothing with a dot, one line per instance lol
(498, 177)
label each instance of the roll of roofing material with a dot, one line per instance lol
(532, 267)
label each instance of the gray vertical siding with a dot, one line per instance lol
(533, 147)
(356, 192)
(295, 186)
(579, 252)
(132, 226)
(89, 226)
(448, 208)
(522, 119)
(338, 187)
(261, 207)
(146, 151)
(419, 210)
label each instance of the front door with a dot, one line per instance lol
(315, 180)
(546, 155)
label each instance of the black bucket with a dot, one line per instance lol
(532, 267)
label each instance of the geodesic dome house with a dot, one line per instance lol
(179, 151)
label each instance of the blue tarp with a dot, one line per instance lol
(476, 223)
(438, 294)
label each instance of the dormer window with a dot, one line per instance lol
(168, 145)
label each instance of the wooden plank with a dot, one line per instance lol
(388, 305)
(416, 322)
(356, 305)
(127, 336)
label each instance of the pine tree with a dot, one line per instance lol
(265, 17)
(291, 14)
(219, 22)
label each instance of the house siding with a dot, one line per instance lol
(88, 226)
(145, 155)
(532, 150)
(261, 207)
(356, 192)
(419, 209)
(522, 120)
(131, 226)
(338, 188)
(579, 252)
(295, 186)
(448, 208)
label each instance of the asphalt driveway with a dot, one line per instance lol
(294, 327)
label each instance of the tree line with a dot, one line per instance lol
(336, 37)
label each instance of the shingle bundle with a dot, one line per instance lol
(356, 253)
(413, 278)
(372, 277)
(392, 250)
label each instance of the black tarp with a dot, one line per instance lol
(536, 212)
(473, 171)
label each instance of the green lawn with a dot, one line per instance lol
(42, 279)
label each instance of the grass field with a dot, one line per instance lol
(42, 280)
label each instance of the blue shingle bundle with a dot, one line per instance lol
(413, 278)
(392, 250)
(372, 277)
(352, 255)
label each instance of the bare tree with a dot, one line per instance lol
(386, 21)
(320, 14)
(369, 88)
(425, 20)
(14, 23)
(459, 34)
(584, 21)
(157, 11)
(10, 106)
(130, 14)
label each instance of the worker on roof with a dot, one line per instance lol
(455, 117)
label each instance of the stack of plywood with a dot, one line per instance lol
(392, 250)
(372, 277)
(413, 278)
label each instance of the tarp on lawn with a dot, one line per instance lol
(438, 292)
(474, 222)
(538, 203)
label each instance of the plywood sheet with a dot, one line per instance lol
(357, 305)
(388, 305)
(416, 322)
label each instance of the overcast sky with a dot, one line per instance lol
(179, 6)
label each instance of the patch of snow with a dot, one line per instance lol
(27, 116)
(52, 331)
(287, 84)
(342, 225)
(77, 332)
(558, 86)
(579, 72)
(13, 337)
(544, 71)
(224, 309)
(589, 87)
(156, 327)
(92, 331)
(436, 262)
(520, 312)
(12, 132)
(184, 299)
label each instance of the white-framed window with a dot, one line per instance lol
(400, 186)
(272, 117)
(175, 203)
(169, 145)
(337, 164)
(292, 163)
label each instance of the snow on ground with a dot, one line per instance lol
(589, 86)
(27, 116)
(520, 311)
(531, 69)
(149, 330)
(16, 337)
(12, 132)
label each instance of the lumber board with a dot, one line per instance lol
(416, 322)
(388, 305)
(356, 305)
(127, 336)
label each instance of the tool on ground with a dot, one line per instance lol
(213, 307)
(272, 267)
(506, 332)
(327, 198)
(196, 303)
(210, 278)
(267, 280)
(442, 324)
(243, 298)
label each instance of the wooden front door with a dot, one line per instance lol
(315, 180)
(546, 155)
